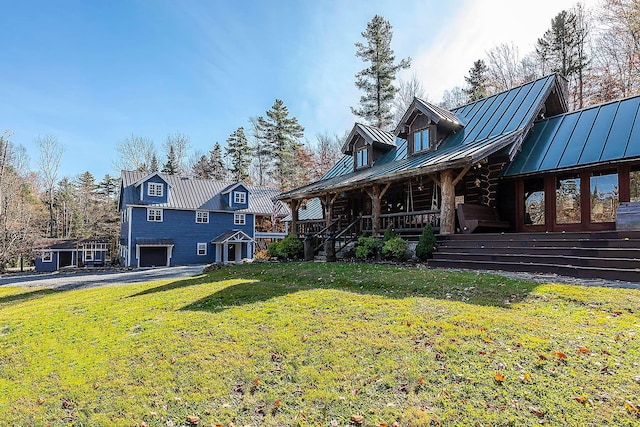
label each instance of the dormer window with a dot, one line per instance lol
(362, 157)
(421, 140)
(155, 189)
(239, 197)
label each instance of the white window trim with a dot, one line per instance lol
(239, 219)
(239, 197)
(158, 189)
(149, 210)
(202, 217)
(199, 246)
(47, 256)
(90, 257)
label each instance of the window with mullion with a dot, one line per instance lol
(421, 140)
(202, 217)
(362, 157)
(154, 215)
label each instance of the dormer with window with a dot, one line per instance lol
(367, 144)
(153, 189)
(425, 126)
(236, 196)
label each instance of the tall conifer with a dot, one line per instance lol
(239, 154)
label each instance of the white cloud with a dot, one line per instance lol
(477, 27)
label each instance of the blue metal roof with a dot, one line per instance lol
(490, 125)
(604, 133)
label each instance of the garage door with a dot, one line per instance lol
(153, 256)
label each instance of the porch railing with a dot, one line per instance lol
(404, 222)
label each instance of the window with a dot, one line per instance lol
(88, 255)
(568, 200)
(202, 217)
(239, 197)
(239, 219)
(421, 140)
(154, 215)
(534, 202)
(603, 191)
(635, 184)
(47, 256)
(362, 157)
(202, 248)
(155, 189)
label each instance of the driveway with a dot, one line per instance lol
(88, 279)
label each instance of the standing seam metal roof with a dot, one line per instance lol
(491, 124)
(603, 133)
(200, 194)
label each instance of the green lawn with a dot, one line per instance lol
(321, 344)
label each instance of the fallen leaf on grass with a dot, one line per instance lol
(559, 355)
(537, 412)
(584, 350)
(358, 419)
(499, 377)
(525, 378)
(580, 399)
(278, 403)
(193, 420)
(542, 357)
(40, 401)
(632, 408)
(487, 340)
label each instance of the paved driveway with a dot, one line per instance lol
(82, 279)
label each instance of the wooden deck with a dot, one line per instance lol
(612, 255)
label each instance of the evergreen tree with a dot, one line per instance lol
(154, 167)
(477, 81)
(377, 79)
(218, 171)
(171, 166)
(109, 186)
(562, 48)
(281, 142)
(239, 154)
(202, 168)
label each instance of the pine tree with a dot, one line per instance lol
(281, 143)
(377, 79)
(202, 168)
(109, 186)
(477, 81)
(171, 166)
(218, 171)
(562, 48)
(239, 154)
(154, 167)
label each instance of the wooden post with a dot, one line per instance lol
(294, 205)
(448, 202)
(327, 203)
(376, 195)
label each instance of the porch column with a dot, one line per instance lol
(376, 195)
(294, 205)
(448, 202)
(327, 202)
(225, 253)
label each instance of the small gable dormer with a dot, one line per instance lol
(236, 196)
(424, 126)
(153, 188)
(367, 144)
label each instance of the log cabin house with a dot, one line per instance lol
(522, 167)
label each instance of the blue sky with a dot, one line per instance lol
(94, 72)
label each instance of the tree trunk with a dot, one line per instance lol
(448, 202)
(375, 210)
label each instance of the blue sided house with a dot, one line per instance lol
(171, 220)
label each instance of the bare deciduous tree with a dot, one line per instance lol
(135, 153)
(405, 92)
(50, 155)
(181, 144)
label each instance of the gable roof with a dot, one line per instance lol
(232, 236)
(147, 177)
(372, 136)
(438, 115)
(197, 194)
(604, 133)
(229, 188)
(490, 125)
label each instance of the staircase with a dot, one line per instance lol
(611, 255)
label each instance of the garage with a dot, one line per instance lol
(154, 252)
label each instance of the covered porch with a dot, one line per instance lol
(233, 246)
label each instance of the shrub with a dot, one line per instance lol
(395, 249)
(389, 234)
(290, 248)
(426, 243)
(273, 249)
(262, 255)
(367, 247)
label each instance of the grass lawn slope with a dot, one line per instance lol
(321, 344)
